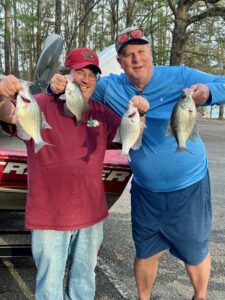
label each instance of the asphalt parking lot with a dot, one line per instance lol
(115, 279)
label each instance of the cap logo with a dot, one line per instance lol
(88, 55)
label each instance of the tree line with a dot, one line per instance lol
(184, 32)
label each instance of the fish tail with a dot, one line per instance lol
(125, 154)
(44, 122)
(38, 146)
(78, 122)
(117, 138)
(182, 148)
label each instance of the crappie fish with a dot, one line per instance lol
(128, 133)
(30, 118)
(74, 99)
(183, 120)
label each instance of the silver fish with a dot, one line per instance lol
(129, 131)
(74, 99)
(183, 120)
(30, 118)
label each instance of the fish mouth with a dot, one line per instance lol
(26, 100)
(132, 115)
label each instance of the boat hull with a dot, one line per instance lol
(13, 178)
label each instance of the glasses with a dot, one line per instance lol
(134, 34)
(91, 76)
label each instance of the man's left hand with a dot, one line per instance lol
(201, 93)
(141, 103)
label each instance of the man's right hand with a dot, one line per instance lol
(9, 86)
(58, 84)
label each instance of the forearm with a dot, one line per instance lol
(217, 91)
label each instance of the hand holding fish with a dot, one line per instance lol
(130, 132)
(201, 93)
(30, 119)
(141, 103)
(26, 115)
(182, 123)
(58, 84)
(75, 102)
(9, 86)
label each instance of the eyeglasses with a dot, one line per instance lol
(91, 76)
(134, 34)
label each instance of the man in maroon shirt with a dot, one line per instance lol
(66, 203)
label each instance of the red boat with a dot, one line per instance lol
(13, 178)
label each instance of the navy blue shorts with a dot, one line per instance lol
(178, 221)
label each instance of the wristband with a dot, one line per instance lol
(142, 113)
(49, 90)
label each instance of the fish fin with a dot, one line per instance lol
(117, 138)
(125, 155)
(138, 143)
(194, 135)
(169, 131)
(45, 124)
(67, 111)
(62, 97)
(143, 125)
(12, 113)
(21, 133)
(38, 146)
(186, 106)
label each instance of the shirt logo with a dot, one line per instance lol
(92, 123)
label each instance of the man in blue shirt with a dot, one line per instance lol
(170, 193)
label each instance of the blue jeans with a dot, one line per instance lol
(51, 249)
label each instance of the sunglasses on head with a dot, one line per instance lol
(134, 34)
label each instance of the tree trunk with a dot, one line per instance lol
(39, 31)
(16, 41)
(7, 36)
(114, 19)
(184, 17)
(179, 35)
(221, 112)
(58, 16)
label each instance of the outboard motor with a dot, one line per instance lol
(48, 62)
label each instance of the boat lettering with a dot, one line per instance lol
(21, 169)
(18, 168)
(109, 175)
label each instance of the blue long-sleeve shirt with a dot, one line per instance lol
(156, 165)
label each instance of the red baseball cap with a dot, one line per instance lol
(82, 57)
